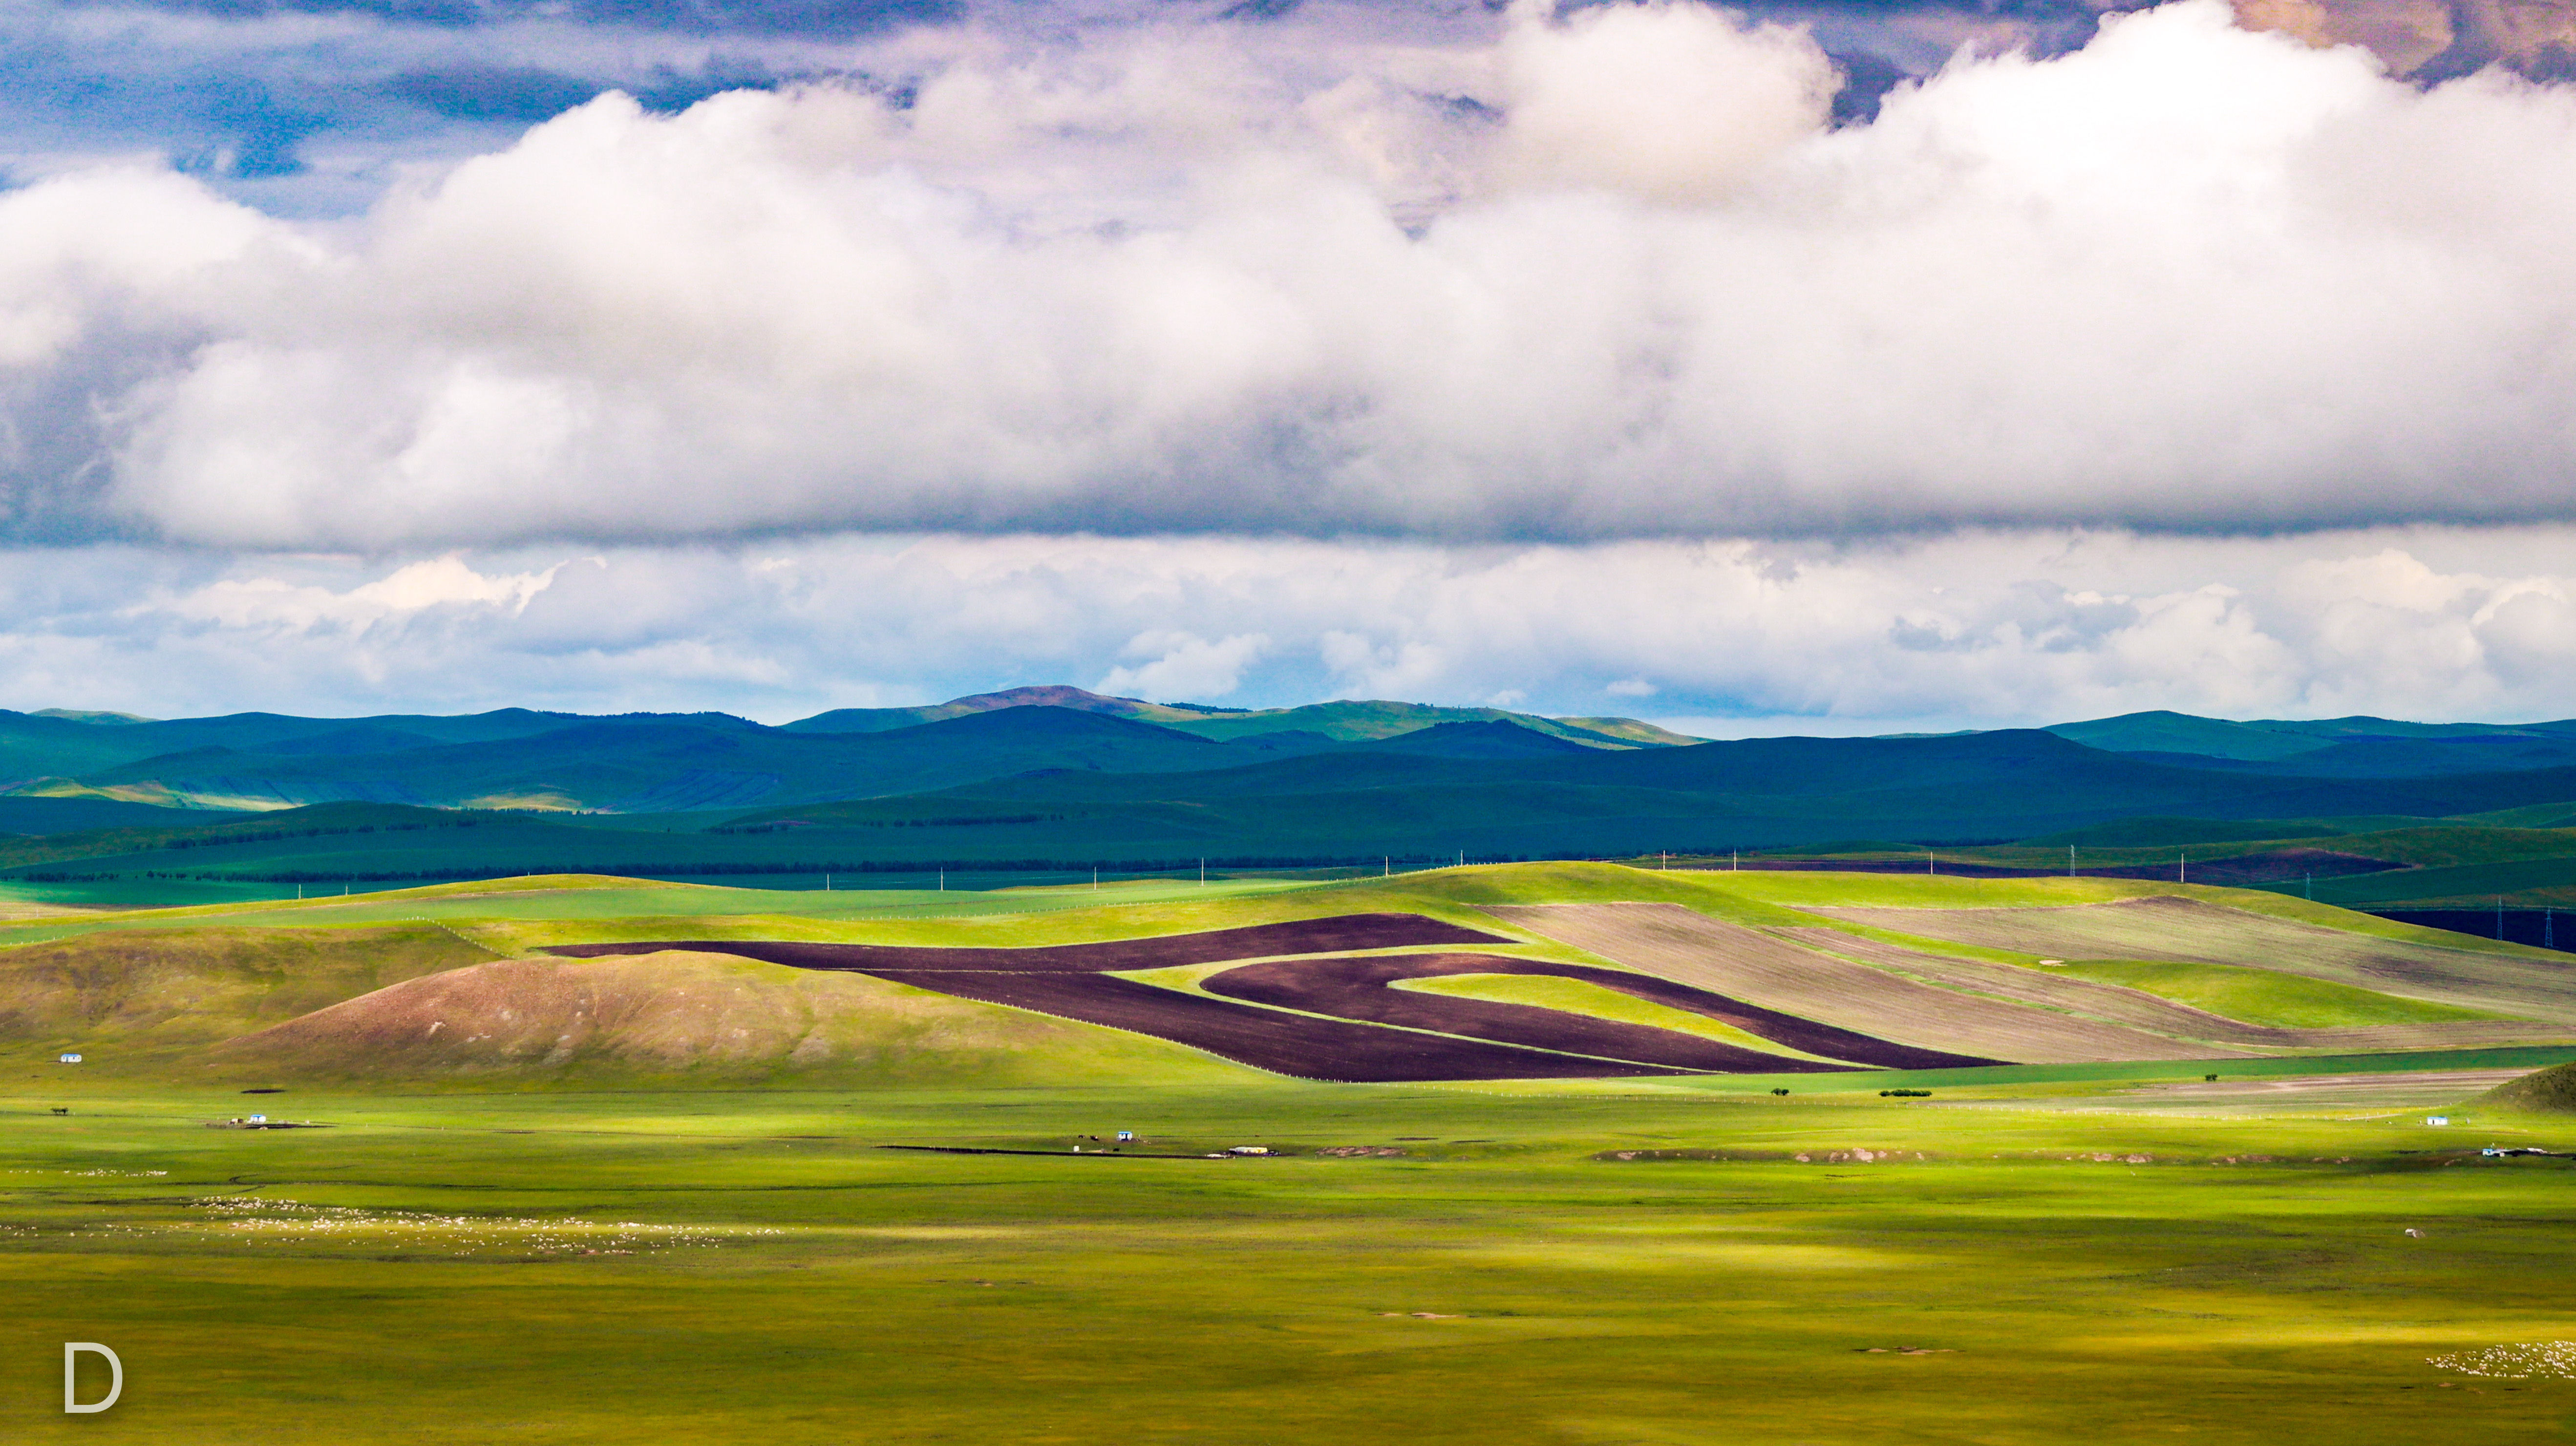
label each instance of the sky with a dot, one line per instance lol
(1869, 367)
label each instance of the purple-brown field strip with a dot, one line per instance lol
(1692, 948)
(1338, 935)
(1291, 1044)
(1357, 988)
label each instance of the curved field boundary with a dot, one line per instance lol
(1692, 948)
(1290, 1044)
(2192, 932)
(1338, 935)
(1357, 989)
(2138, 1009)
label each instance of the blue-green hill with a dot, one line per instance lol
(1057, 778)
(1341, 721)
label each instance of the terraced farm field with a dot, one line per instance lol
(1301, 1046)
(1690, 948)
(2191, 930)
(1357, 989)
(2141, 1010)
(1801, 997)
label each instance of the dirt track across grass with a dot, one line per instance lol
(1692, 948)
(1283, 1043)
(1337, 935)
(1357, 988)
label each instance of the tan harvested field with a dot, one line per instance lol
(2193, 932)
(2138, 1009)
(1691, 948)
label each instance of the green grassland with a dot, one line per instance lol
(2520, 883)
(628, 1241)
(2265, 997)
(423, 1272)
(2442, 863)
(324, 848)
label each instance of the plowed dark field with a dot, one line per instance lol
(1291, 1044)
(1357, 989)
(1304, 936)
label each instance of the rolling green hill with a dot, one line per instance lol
(448, 985)
(1477, 790)
(675, 1021)
(1055, 778)
(2550, 1091)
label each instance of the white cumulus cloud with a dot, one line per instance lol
(1972, 628)
(1184, 666)
(1605, 276)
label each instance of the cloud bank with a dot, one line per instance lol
(1608, 277)
(1719, 637)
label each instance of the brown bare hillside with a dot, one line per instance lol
(705, 1017)
(147, 990)
(1691, 948)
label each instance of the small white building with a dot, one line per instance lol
(1248, 1150)
(71, 1059)
(2437, 1119)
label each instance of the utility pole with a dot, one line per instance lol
(1386, 866)
(1202, 873)
(1930, 864)
(2548, 928)
(2182, 867)
(2308, 891)
(2499, 918)
(2070, 861)
(1734, 860)
(1095, 878)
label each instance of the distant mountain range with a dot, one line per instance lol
(1057, 777)
(667, 762)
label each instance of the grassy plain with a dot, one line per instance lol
(2115, 1252)
(1507, 1280)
